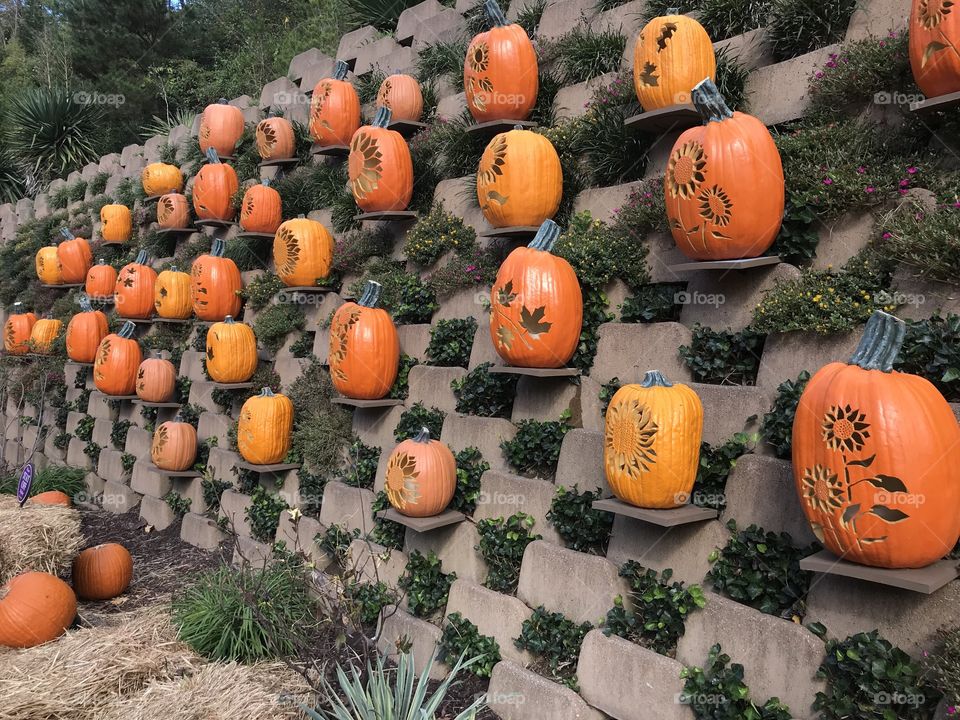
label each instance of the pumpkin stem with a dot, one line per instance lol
(673, 11)
(141, 258)
(880, 343)
(265, 182)
(340, 70)
(127, 330)
(222, 101)
(101, 261)
(212, 156)
(546, 236)
(709, 102)
(228, 319)
(371, 294)
(382, 118)
(218, 247)
(495, 14)
(655, 378)
(173, 268)
(423, 436)
(67, 235)
(266, 392)
(83, 300)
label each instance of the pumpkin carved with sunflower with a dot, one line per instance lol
(421, 476)
(935, 46)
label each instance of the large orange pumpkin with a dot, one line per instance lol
(101, 280)
(17, 329)
(724, 185)
(171, 295)
(876, 457)
(116, 223)
(364, 347)
(117, 361)
(215, 285)
(401, 95)
(231, 352)
(51, 497)
(133, 294)
(536, 307)
(75, 258)
(35, 608)
(85, 331)
(380, 166)
(935, 46)
(334, 109)
(221, 126)
(47, 263)
(102, 572)
(264, 428)
(159, 178)
(213, 190)
(672, 54)
(44, 332)
(500, 73)
(421, 476)
(173, 211)
(275, 139)
(174, 445)
(519, 180)
(261, 209)
(302, 252)
(156, 380)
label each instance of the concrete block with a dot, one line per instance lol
(627, 351)
(451, 107)
(626, 19)
(581, 461)
(437, 28)
(457, 199)
(773, 92)
(101, 432)
(191, 489)
(201, 532)
(455, 546)
(519, 694)
(924, 297)
(503, 495)
(110, 466)
(786, 355)
(281, 94)
(233, 507)
(726, 300)
(119, 498)
(191, 365)
(147, 482)
(761, 490)
(300, 62)
(730, 409)
(411, 18)
(215, 425)
(376, 563)
(129, 153)
(466, 303)
(843, 238)
(559, 17)
(547, 399)
(431, 386)
(418, 637)
(252, 553)
(751, 49)
(102, 407)
(75, 455)
(94, 488)
(876, 18)
(152, 147)
(315, 72)
(483, 350)
(138, 441)
(347, 506)
(289, 368)
(495, 615)
(485, 434)
(157, 513)
(351, 42)
(414, 340)
(571, 101)
(370, 53)
(375, 426)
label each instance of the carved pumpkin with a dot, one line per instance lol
(935, 46)
(364, 348)
(724, 186)
(171, 294)
(302, 252)
(133, 293)
(101, 280)
(75, 258)
(85, 331)
(421, 476)
(876, 457)
(519, 181)
(102, 572)
(47, 263)
(536, 308)
(275, 139)
(334, 109)
(231, 352)
(381, 170)
(116, 223)
(215, 285)
(265, 427)
(158, 178)
(261, 209)
(213, 190)
(651, 448)
(672, 54)
(17, 329)
(118, 358)
(35, 608)
(51, 497)
(221, 126)
(156, 380)
(174, 445)
(401, 95)
(173, 211)
(500, 73)
(44, 332)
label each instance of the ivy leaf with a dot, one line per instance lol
(532, 322)
(863, 463)
(888, 483)
(928, 52)
(891, 515)
(950, 375)
(506, 295)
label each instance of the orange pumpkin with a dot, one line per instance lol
(35, 608)
(133, 293)
(17, 329)
(876, 457)
(364, 348)
(156, 380)
(302, 252)
(171, 295)
(102, 572)
(173, 211)
(935, 46)
(536, 305)
(334, 109)
(421, 476)
(174, 445)
(215, 285)
(85, 331)
(213, 190)
(44, 332)
(158, 178)
(724, 187)
(381, 170)
(261, 209)
(275, 139)
(101, 280)
(47, 263)
(118, 359)
(51, 497)
(221, 126)
(672, 54)
(116, 223)
(231, 352)
(75, 258)
(500, 73)
(264, 428)
(401, 95)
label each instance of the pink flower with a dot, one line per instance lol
(831, 64)
(902, 191)
(833, 56)
(861, 170)
(869, 189)
(957, 204)
(819, 75)
(887, 236)
(913, 170)
(904, 183)
(827, 181)
(471, 268)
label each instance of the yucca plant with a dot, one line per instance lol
(163, 125)
(13, 185)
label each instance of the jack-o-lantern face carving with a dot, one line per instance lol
(672, 54)
(334, 109)
(380, 166)
(935, 46)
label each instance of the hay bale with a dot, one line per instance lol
(37, 537)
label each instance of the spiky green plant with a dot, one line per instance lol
(382, 14)
(163, 125)
(12, 182)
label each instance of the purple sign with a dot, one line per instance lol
(26, 480)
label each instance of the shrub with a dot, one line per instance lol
(653, 304)
(726, 18)
(425, 583)
(580, 526)
(556, 641)
(731, 79)
(931, 349)
(483, 393)
(368, 599)
(273, 324)
(180, 505)
(502, 544)
(436, 233)
(336, 541)
(361, 469)
(928, 241)
(470, 469)
(443, 60)
(416, 417)
(777, 426)
(263, 514)
(798, 28)
(68, 480)
(461, 638)
(473, 271)
(385, 532)
(405, 296)
(723, 357)
(535, 448)
(584, 53)
(595, 314)
(710, 486)
(321, 429)
(260, 291)
(451, 342)
(942, 665)
(600, 253)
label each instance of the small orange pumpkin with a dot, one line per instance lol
(75, 258)
(35, 608)
(85, 331)
(51, 497)
(302, 252)
(275, 139)
(261, 209)
(421, 476)
(401, 95)
(17, 329)
(101, 280)
(264, 428)
(364, 348)
(158, 178)
(213, 190)
(231, 352)
(116, 223)
(47, 262)
(215, 285)
(102, 572)
(171, 295)
(173, 211)
(672, 54)
(174, 445)
(380, 167)
(118, 359)
(44, 332)
(133, 293)
(221, 126)
(334, 109)
(156, 380)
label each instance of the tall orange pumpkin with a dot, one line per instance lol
(380, 166)
(118, 358)
(44, 332)
(174, 445)
(672, 54)
(102, 572)
(116, 223)
(171, 295)
(156, 380)
(35, 608)
(264, 428)
(302, 252)
(173, 211)
(364, 348)
(536, 307)
(159, 178)
(876, 457)
(213, 190)
(215, 285)
(334, 109)
(500, 73)
(17, 329)
(231, 352)
(221, 126)
(47, 263)
(261, 210)
(85, 331)
(101, 280)
(75, 258)
(133, 294)
(421, 476)
(275, 139)
(935, 46)
(724, 187)
(401, 95)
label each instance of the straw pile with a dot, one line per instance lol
(37, 537)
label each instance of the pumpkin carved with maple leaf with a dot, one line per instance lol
(17, 329)
(334, 109)
(134, 292)
(672, 54)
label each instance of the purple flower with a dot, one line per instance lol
(913, 170)
(869, 189)
(904, 183)
(861, 170)
(471, 268)
(819, 75)
(831, 64)
(827, 181)
(887, 236)
(833, 56)
(902, 191)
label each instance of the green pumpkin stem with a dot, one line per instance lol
(67, 235)
(218, 247)
(655, 378)
(495, 14)
(423, 436)
(340, 70)
(127, 330)
(228, 319)
(266, 392)
(212, 156)
(223, 101)
(382, 118)
(880, 343)
(141, 258)
(83, 300)
(673, 11)
(709, 102)
(371, 294)
(265, 182)
(546, 237)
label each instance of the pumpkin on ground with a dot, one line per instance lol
(101, 280)
(47, 264)
(265, 427)
(536, 307)
(302, 252)
(401, 95)
(876, 457)
(213, 190)
(117, 361)
(221, 126)
(173, 211)
(934, 47)
(35, 608)
(364, 348)
(102, 572)
(231, 352)
(134, 291)
(275, 139)
(672, 54)
(44, 332)
(261, 209)
(174, 445)
(380, 167)
(85, 331)
(171, 294)
(116, 223)
(74, 257)
(724, 187)
(215, 285)
(334, 109)
(421, 476)
(159, 178)
(17, 329)
(156, 380)
(500, 72)
(51, 497)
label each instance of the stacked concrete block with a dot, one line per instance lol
(730, 409)
(369, 55)
(441, 27)
(773, 91)
(349, 507)
(201, 532)
(411, 20)
(751, 50)
(455, 545)
(153, 146)
(504, 494)
(516, 693)
(431, 386)
(786, 355)
(877, 18)
(628, 351)
(547, 399)
(375, 426)
(726, 300)
(400, 631)
(354, 42)
(302, 61)
(485, 434)
(118, 498)
(495, 615)
(156, 513)
(581, 461)
(559, 17)
(233, 510)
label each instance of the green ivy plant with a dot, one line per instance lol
(716, 463)
(723, 357)
(555, 640)
(462, 638)
(451, 341)
(263, 514)
(212, 490)
(84, 429)
(607, 391)
(481, 392)
(470, 469)
(436, 233)
(931, 349)
(179, 504)
(425, 584)
(385, 532)
(535, 448)
(118, 433)
(336, 540)
(368, 599)
(401, 386)
(502, 544)
(776, 429)
(653, 303)
(595, 314)
(580, 526)
(361, 468)
(416, 417)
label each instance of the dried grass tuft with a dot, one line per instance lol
(37, 537)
